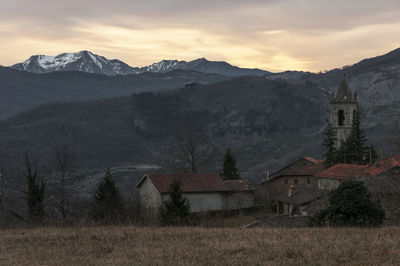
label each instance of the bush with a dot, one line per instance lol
(351, 204)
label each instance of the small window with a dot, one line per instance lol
(308, 180)
(341, 117)
(286, 181)
(295, 181)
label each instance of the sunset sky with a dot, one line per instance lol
(274, 35)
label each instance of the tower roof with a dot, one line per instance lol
(343, 93)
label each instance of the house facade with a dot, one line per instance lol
(300, 173)
(204, 192)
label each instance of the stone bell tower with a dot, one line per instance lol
(343, 108)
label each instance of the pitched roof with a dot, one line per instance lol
(191, 182)
(348, 171)
(343, 171)
(300, 195)
(383, 165)
(239, 185)
(310, 167)
(343, 93)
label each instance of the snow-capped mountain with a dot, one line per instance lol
(202, 65)
(86, 61)
(83, 61)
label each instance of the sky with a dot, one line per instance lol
(275, 35)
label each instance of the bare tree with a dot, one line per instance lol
(64, 172)
(192, 148)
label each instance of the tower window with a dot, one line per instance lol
(341, 117)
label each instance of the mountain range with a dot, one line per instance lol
(267, 120)
(86, 61)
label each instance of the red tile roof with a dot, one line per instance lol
(190, 182)
(239, 185)
(384, 165)
(348, 171)
(343, 171)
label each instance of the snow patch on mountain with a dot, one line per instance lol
(86, 61)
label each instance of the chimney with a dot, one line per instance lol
(290, 191)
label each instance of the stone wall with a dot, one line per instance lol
(342, 131)
(328, 183)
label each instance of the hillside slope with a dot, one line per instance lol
(21, 90)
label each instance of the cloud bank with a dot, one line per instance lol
(274, 35)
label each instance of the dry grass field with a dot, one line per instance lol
(129, 245)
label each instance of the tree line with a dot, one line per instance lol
(107, 204)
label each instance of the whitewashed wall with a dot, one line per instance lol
(150, 198)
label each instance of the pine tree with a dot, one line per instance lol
(229, 170)
(176, 211)
(108, 203)
(354, 149)
(34, 195)
(330, 154)
(355, 143)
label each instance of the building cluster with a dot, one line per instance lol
(299, 189)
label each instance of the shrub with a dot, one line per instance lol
(351, 204)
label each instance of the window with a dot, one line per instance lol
(295, 181)
(308, 180)
(286, 181)
(341, 117)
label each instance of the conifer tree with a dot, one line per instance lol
(229, 170)
(108, 203)
(34, 195)
(330, 154)
(354, 150)
(355, 143)
(175, 211)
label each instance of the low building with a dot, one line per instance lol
(302, 201)
(205, 192)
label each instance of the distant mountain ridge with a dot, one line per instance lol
(86, 61)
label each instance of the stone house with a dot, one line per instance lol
(300, 173)
(205, 192)
(301, 201)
